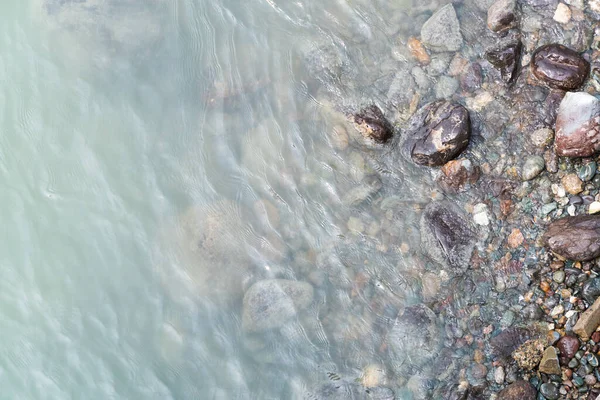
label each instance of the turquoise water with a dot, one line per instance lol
(115, 118)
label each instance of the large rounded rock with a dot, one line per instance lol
(575, 238)
(441, 32)
(437, 133)
(271, 303)
(578, 125)
(520, 390)
(416, 337)
(559, 67)
(447, 236)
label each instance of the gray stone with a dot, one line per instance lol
(549, 364)
(549, 391)
(542, 137)
(441, 32)
(501, 15)
(446, 86)
(532, 167)
(271, 303)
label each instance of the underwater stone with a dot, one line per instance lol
(506, 58)
(271, 303)
(437, 133)
(501, 15)
(578, 125)
(575, 238)
(532, 167)
(446, 235)
(591, 290)
(441, 32)
(559, 67)
(373, 125)
(520, 390)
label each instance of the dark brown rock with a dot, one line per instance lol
(506, 58)
(457, 175)
(437, 133)
(578, 126)
(559, 67)
(501, 15)
(373, 125)
(520, 390)
(568, 346)
(575, 238)
(507, 341)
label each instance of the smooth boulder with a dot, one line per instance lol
(520, 390)
(270, 303)
(559, 67)
(578, 125)
(441, 32)
(437, 133)
(575, 238)
(447, 236)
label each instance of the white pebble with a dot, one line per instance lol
(571, 210)
(556, 311)
(594, 207)
(562, 14)
(480, 214)
(570, 313)
(499, 375)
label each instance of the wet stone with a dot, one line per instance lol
(373, 125)
(591, 290)
(508, 341)
(587, 171)
(575, 238)
(549, 391)
(446, 235)
(559, 67)
(578, 125)
(502, 15)
(441, 32)
(572, 184)
(542, 137)
(568, 346)
(506, 58)
(549, 364)
(437, 133)
(458, 174)
(520, 390)
(588, 321)
(532, 167)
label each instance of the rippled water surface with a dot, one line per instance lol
(158, 158)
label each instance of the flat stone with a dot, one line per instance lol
(549, 364)
(575, 238)
(501, 15)
(519, 390)
(578, 125)
(441, 32)
(532, 167)
(562, 14)
(588, 321)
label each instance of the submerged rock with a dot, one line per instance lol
(457, 175)
(575, 238)
(271, 303)
(578, 125)
(416, 336)
(343, 390)
(506, 58)
(447, 236)
(502, 15)
(437, 133)
(373, 125)
(507, 341)
(441, 32)
(559, 67)
(520, 390)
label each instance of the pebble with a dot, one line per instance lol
(588, 321)
(590, 380)
(515, 239)
(499, 375)
(441, 32)
(445, 87)
(578, 125)
(373, 125)
(562, 14)
(548, 208)
(480, 214)
(505, 57)
(501, 15)
(568, 346)
(559, 67)
(556, 311)
(542, 137)
(587, 171)
(417, 50)
(549, 390)
(559, 276)
(549, 364)
(532, 167)
(594, 208)
(572, 184)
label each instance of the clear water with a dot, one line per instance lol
(118, 116)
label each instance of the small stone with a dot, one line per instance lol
(532, 167)
(578, 125)
(588, 321)
(594, 208)
(457, 174)
(418, 51)
(506, 57)
(562, 15)
(445, 87)
(373, 125)
(515, 239)
(591, 290)
(568, 346)
(441, 32)
(529, 354)
(542, 137)
(559, 67)
(575, 238)
(373, 376)
(480, 214)
(558, 310)
(501, 15)
(437, 133)
(587, 171)
(549, 364)
(549, 391)
(590, 380)
(559, 276)
(519, 390)
(572, 184)
(548, 208)
(499, 375)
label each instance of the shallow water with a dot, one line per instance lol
(133, 130)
